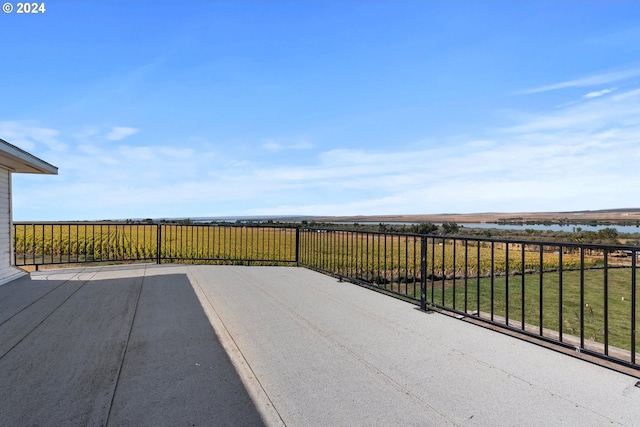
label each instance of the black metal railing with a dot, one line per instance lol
(580, 296)
(37, 244)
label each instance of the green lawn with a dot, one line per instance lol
(556, 308)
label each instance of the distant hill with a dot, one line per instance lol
(613, 216)
(607, 211)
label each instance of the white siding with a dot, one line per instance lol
(7, 271)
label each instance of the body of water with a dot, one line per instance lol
(556, 227)
(542, 227)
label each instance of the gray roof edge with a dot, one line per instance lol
(28, 158)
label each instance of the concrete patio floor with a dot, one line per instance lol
(154, 345)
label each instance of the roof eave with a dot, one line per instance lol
(19, 161)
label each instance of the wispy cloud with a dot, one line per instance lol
(621, 109)
(29, 136)
(593, 80)
(598, 93)
(119, 133)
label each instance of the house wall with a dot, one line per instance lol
(7, 271)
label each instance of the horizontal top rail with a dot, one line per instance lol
(460, 237)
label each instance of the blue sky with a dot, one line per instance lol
(226, 108)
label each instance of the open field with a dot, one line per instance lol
(69, 243)
(383, 257)
(547, 304)
(552, 301)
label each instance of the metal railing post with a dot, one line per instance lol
(423, 273)
(158, 242)
(297, 246)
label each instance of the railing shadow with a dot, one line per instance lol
(136, 350)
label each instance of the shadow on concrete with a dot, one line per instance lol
(115, 351)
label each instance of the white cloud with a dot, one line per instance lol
(594, 80)
(119, 132)
(598, 93)
(31, 137)
(624, 95)
(622, 109)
